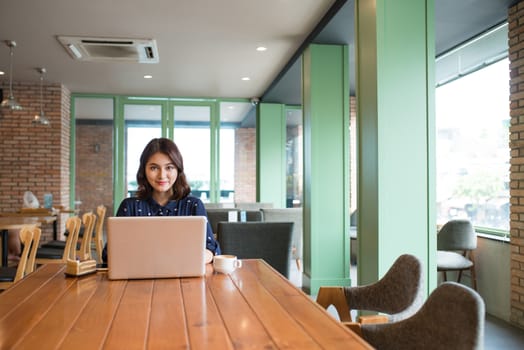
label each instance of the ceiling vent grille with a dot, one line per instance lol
(110, 49)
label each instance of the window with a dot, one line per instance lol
(472, 148)
(143, 123)
(192, 137)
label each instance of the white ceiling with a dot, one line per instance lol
(205, 46)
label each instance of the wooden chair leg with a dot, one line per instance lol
(355, 327)
(335, 296)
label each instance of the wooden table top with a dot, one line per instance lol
(254, 307)
(16, 222)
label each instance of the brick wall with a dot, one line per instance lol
(245, 165)
(94, 165)
(516, 55)
(35, 158)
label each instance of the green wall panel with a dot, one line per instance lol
(326, 166)
(271, 154)
(395, 142)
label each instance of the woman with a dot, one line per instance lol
(163, 190)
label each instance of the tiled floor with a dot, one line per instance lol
(498, 335)
(502, 335)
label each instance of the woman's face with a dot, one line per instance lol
(161, 173)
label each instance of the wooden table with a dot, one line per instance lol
(254, 307)
(13, 223)
(44, 215)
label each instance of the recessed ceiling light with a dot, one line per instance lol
(2, 72)
(261, 48)
(148, 76)
(246, 78)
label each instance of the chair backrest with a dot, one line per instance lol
(270, 241)
(99, 231)
(399, 293)
(26, 237)
(73, 225)
(286, 215)
(252, 215)
(214, 216)
(457, 234)
(31, 261)
(451, 318)
(88, 220)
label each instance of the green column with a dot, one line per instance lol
(271, 154)
(326, 166)
(395, 103)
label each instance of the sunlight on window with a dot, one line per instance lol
(472, 148)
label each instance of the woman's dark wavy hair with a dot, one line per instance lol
(163, 145)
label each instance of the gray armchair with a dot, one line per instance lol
(288, 215)
(451, 318)
(270, 241)
(456, 242)
(399, 294)
(214, 216)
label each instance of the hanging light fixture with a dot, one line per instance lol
(41, 118)
(9, 101)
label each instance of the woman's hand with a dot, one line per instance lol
(208, 256)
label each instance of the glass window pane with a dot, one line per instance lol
(143, 123)
(294, 158)
(227, 165)
(472, 119)
(237, 152)
(192, 136)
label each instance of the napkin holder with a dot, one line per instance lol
(80, 268)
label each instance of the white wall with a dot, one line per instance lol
(492, 259)
(494, 276)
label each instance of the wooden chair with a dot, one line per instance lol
(456, 242)
(98, 236)
(31, 261)
(30, 238)
(398, 294)
(46, 255)
(451, 318)
(270, 241)
(88, 220)
(99, 232)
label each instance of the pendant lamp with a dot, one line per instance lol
(41, 118)
(9, 101)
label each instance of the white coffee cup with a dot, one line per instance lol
(226, 263)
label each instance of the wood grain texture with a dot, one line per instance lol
(254, 307)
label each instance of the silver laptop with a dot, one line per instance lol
(156, 246)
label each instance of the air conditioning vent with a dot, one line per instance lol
(110, 50)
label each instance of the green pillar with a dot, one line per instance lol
(271, 154)
(395, 103)
(326, 166)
